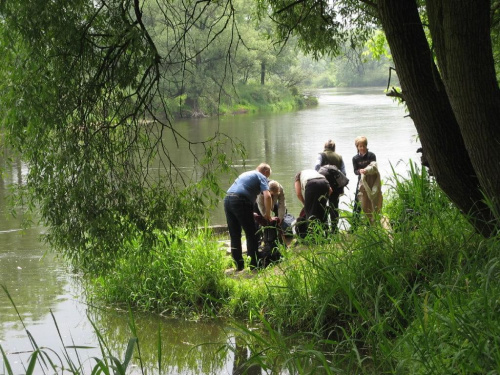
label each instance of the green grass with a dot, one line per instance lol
(420, 298)
(181, 276)
(249, 98)
(47, 360)
(373, 294)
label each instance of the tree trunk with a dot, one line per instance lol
(461, 31)
(262, 73)
(432, 113)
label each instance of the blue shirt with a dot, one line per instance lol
(249, 184)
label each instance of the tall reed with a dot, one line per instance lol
(43, 360)
(418, 298)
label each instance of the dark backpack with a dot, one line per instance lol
(272, 238)
(335, 177)
(301, 227)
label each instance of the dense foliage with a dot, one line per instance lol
(84, 101)
(418, 298)
(88, 91)
(88, 95)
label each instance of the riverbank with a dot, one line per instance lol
(288, 140)
(385, 293)
(371, 301)
(249, 98)
(375, 300)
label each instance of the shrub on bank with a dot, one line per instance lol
(181, 276)
(270, 98)
(421, 298)
(456, 328)
(248, 98)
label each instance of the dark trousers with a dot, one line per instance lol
(239, 215)
(333, 203)
(316, 198)
(356, 210)
(258, 228)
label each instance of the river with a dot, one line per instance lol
(46, 292)
(291, 142)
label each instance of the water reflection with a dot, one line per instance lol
(50, 302)
(186, 347)
(22, 259)
(241, 355)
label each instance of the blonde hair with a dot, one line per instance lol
(274, 187)
(361, 139)
(263, 168)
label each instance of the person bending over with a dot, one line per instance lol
(313, 189)
(278, 203)
(238, 207)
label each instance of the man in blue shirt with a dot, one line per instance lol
(238, 206)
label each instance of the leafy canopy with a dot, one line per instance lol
(84, 93)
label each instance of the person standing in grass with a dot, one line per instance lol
(359, 162)
(330, 157)
(238, 206)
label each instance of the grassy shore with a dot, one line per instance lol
(418, 298)
(249, 98)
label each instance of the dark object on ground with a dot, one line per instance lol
(272, 238)
(300, 226)
(304, 227)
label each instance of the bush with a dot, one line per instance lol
(418, 298)
(182, 275)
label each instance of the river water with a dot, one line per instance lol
(291, 142)
(46, 293)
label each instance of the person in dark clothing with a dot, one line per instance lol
(359, 162)
(330, 157)
(238, 206)
(313, 189)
